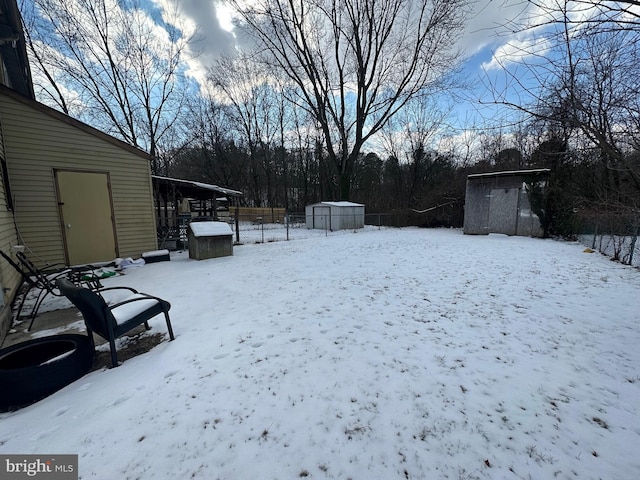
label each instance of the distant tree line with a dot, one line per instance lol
(295, 120)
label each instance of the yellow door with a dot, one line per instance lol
(87, 216)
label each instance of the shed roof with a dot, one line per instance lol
(340, 204)
(512, 173)
(210, 229)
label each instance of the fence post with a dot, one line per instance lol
(286, 221)
(261, 228)
(237, 217)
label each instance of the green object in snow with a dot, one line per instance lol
(99, 274)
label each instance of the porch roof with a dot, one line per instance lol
(190, 188)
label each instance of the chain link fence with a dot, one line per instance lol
(614, 235)
(260, 225)
(252, 228)
(257, 229)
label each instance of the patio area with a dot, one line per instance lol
(65, 319)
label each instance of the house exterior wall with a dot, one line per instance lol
(9, 278)
(38, 143)
(499, 205)
(14, 71)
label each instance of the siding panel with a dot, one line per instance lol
(9, 278)
(37, 144)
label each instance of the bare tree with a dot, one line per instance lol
(243, 84)
(585, 83)
(584, 14)
(409, 136)
(414, 127)
(109, 63)
(208, 154)
(355, 63)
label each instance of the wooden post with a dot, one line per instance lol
(237, 221)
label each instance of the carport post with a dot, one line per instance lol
(237, 217)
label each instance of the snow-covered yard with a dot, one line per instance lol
(381, 354)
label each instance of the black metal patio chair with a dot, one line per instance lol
(113, 321)
(43, 280)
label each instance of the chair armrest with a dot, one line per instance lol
(138, 309)
(47, 269)
(54, 266)
(143, 296)
(104, 289)
(129, 300)
(54, 275)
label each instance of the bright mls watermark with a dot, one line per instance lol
(51, 467)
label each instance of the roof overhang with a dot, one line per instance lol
(337, 204)
(13, 48)
(191, 189)
(513, 173)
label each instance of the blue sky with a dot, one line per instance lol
(485, 21)
(485, 35)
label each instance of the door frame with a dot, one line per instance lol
(59, 203)
(503, 210)
(327, 216)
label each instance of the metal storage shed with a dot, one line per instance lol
(498, 202)
(335, 215)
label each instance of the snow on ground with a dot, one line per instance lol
(377, 354)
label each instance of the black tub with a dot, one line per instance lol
(33, 370)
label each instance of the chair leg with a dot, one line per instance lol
(90, 335)
(24, 297)
(114, 355)
(166, 316)
(36, 307)
(33, 319)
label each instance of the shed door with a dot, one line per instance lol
(322, 218)
(503, 210)
(87, 216)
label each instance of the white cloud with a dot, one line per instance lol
(489, 23)
(226, 16)
(211, 21)
(516, 51)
